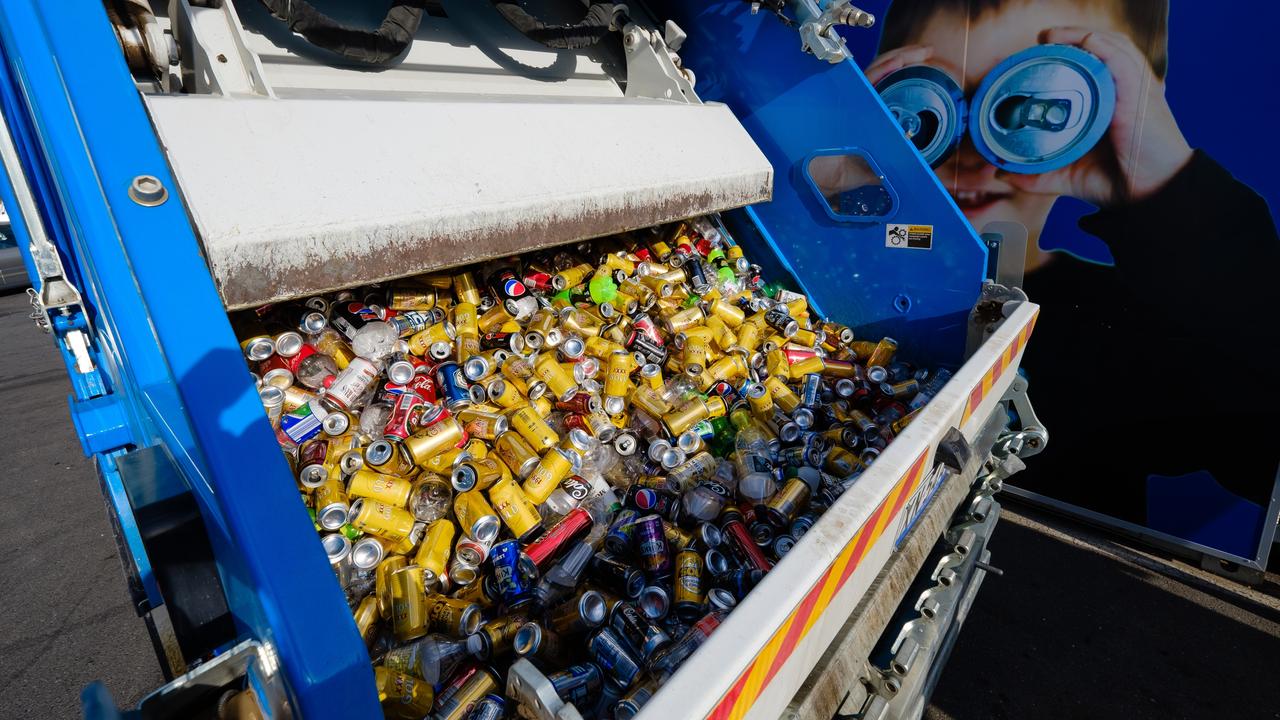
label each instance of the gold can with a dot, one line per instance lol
(839, 368)
(883, 353)
(411, 296)
(478, 474)
(526, 421)
(776, 364)
(807, 365)
(382, 582)
(617, 261)
(685, 319)
(515, 508)
(331, 343)
(494, 319)
(330, 503)
(602, 348)
(842, 463)
(386, 521)
(432, 440)
(500, 633)
(464, 288)
(542, 406)
(677, 537)
(403, 696)
(782, 395)
(760, 401)
(688, 584)
(685, 416)
(731, 315)
(444, 463)
(729, 367)
(376, 486)
(618, 378)
(572, 277)
(559, 381)
(437, 544)
(388, 458)
(901, 423)
(482, 423)
(421, 341)
(366, 617)
(807, 338)
(555, 466)
(505, 393)
(516, 453)
(783, 507)
(452, 616)
(408, 598)
(749, 336)
(697, 349)
(475, 516)
(479, 683)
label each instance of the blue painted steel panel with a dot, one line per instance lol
(163, 341)
(794, 105)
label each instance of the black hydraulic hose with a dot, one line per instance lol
(370, 47)
(600, 20)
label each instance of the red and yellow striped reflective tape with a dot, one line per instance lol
(1002, 363)
(743, 693)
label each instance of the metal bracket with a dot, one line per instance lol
(1032, 437)
(995, 303)
(52, 290)
(653, 68)
(817, 17)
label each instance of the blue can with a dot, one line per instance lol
(613, 657)
(809, 390)
(451, 386)
(512, 573)
(929, 106)
(578, 684)
(490, 707)
(619, 539)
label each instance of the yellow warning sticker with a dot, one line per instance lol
(914, 237)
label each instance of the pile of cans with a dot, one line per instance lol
(544, 482)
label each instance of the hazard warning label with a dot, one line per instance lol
(914, 237)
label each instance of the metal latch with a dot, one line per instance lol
(1032, 436)
(54, 291)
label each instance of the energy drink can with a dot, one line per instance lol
(513, 573)
(688, 585)
(651, 546)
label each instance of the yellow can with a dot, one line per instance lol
(731, 315)
(518, 372)
(444, 463)
(572, 277)
(366, 617)
(697, 349)
(526, 421)
(648, 400)
(482, 422)
(494, 318)
(842, 463)
(437, 544)
(760, 400)
(452, 616)
(617, 261)
(385, 521)
(382, 582)
(555, 466)
(807, 338)
(478, 474)
(782, 395)
(685, 416)
(411, 296)
(403, 696)
(432, 440)
(475, 516)
(749, 336)
(729, 367)
(464, 288)
(558, 380)
(376, 486)
(408, 598)
(883, 353)
(618, 378)
(515, 453)
(516, 509)
(480, 683)
(601, 347)
(421, 341)
(807, 365)
(542, 406)
(504, 393)
(685, 319)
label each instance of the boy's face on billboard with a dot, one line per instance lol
(990, 39)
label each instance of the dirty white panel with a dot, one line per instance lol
(296, 196)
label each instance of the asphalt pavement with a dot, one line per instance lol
(1079, 626)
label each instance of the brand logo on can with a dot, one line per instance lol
(646, 499)
(513, 288)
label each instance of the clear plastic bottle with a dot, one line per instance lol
(375, 341)
(432, 658)
(314, 369)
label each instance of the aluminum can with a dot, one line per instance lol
(579, 614)
(516, 509)
(577, 684)
(480, 684)
(571, 528)
(402, 695)
(620, 537)
(513, 572)
(452, 616)
(389, 489)
(477, 474)
(476, 517)
(688, 585)
(408, 597)
(386, 521)
(526, 421)
(641, 636)
(651, 546)
(613, 657)
(437, 544)
(433, 440)
(451, 385)
(616, 575)
(554, 466)
(516, 453)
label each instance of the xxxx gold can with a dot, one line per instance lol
(526, 421)
(759, 400)
(330, 503)
(648, 400)
(452, 616)
(516, 453)
(883, 353)
(688, 585)
(386, 521)
(482, 423)
(382, 582)
(366, 617)
(403, 696)
(478, 474)
(408, 603)
(411, 296)
(493, 319)
(842, 463)
(376, 486)
(542, 406)
(464, 288)
(475, 516)
(420, 342)
(807, 365)
(519, 372)
(437, 543)
(783, 507)
(432, 440)
(782, 395)
(558, 380)
(749, 336)
(503, 393)
(555, 466)
(516, 509)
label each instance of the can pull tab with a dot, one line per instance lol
(1024, 111)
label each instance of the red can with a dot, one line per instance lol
(405, 414)
(573, 526)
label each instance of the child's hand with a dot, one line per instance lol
(897, 59)
(1149, 147)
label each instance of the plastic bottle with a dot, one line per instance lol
(432, 657)
(375, 341)
(314, 369)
